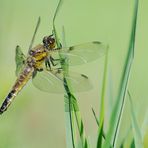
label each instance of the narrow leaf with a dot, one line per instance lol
(135, 127)
(119, 104)
(132, 144)
(97, 121)
(100, 134)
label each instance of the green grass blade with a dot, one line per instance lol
(76, 110)
(132, 143)
(125, 137)
(53, 23)
(73, 107)
(118, 108)
(70, 126)
(68, 96)
(80, 127)
(144, 127)
(110, 92)
(100, 128)
(135, 127)
(97, 121)
(65, 68)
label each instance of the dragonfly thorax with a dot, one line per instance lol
(37, 56)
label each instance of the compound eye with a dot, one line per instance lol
(51, 40)
(45, 40)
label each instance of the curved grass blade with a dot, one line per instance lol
(68, 89)
(144, 127)
(64, 66)
(65, 96)
(72, 144)
(53, 23)
(132, 145)
(110, 92)
(97, 121)
(72, 103)
(80, 125)
(125, 138)
(136, 130)
(118, 108)
(100, 128)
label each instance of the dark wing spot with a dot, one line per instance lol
(96, 42)
(84, 76)
(71, 48)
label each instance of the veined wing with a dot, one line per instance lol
(52, 81)
(19, 60)
(84, 53)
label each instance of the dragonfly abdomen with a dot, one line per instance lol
(7, 101)
(19, 84)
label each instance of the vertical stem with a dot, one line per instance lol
(127, 67)
(70, 115)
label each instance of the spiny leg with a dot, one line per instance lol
(53, 60)
(40, 69)
(47, 64)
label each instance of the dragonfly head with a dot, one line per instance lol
(49, 42)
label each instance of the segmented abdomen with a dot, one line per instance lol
(22, 79)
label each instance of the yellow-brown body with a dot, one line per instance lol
(34, 61)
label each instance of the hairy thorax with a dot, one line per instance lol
(37, 56)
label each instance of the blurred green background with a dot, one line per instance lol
(37, 119)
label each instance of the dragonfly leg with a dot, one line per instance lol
(47, 64)
(53, 60)
(34, 73)
(40, 69)
(37, 70)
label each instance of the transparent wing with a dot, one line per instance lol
(19, 60)
(83, 53)
(52, 81)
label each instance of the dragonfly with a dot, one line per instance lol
(43, 67)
